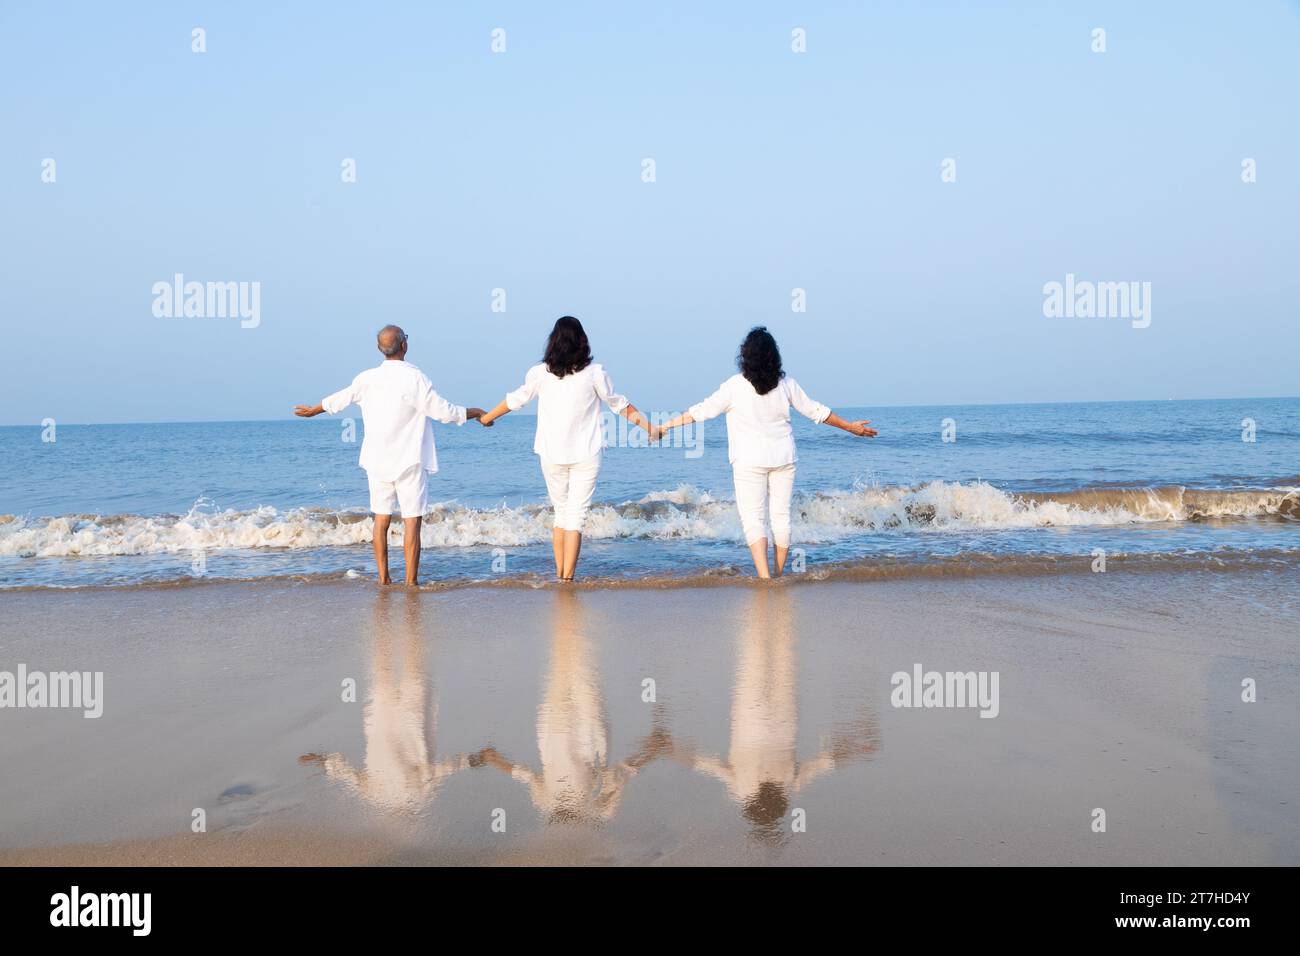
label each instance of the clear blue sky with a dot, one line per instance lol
(523, 171)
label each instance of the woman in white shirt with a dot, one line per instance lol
(569, 389)
(760, 441)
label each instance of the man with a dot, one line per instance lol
(397, 400)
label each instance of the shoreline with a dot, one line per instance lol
(971, 564)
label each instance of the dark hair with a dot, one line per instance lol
(567, 348)
(764, 809)
(760, 360)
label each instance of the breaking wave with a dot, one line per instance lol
(683, 513)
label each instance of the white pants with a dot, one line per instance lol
(409, 491)
(571, 488)
(754, 486)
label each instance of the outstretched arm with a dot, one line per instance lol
(713, 406)
(515, 400)
(619, 405)
(489, 757)
(336, 766)
(629, 411)
(821, 414)
(331, 403)
(858, 428)
(432, 405)
(842, 747)
(487, 418)
(683, 419)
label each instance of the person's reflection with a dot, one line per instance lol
(576, 782)
(400, 772)
(761, 770)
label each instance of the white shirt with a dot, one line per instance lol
(758, 426)
(397, 400)
(568, 411)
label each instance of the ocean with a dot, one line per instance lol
(1051, 487)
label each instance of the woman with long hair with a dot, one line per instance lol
(569, 388)
(760, 441)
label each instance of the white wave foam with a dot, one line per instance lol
(682, 513)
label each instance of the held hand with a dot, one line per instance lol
(861, 430)
(307, 411)
(655, 433)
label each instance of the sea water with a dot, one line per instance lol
(943, 489)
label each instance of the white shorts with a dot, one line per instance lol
(571, 488)
(754, 486)
(409, 491)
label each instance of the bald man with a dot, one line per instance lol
(397, 400)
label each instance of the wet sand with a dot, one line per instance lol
(738, 724)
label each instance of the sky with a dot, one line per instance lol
(523, 170)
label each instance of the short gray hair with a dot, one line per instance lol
(399, 339)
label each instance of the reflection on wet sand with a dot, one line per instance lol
(400, 772)
(575, 781)
(761, 771)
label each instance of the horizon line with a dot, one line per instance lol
(533, 414)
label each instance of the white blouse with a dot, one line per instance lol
(568, 411)
(397, 400)
(758, 426)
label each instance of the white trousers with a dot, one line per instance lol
(755, 487)
(571, 488)
(409, 491)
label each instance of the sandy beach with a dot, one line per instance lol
(737, 724)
